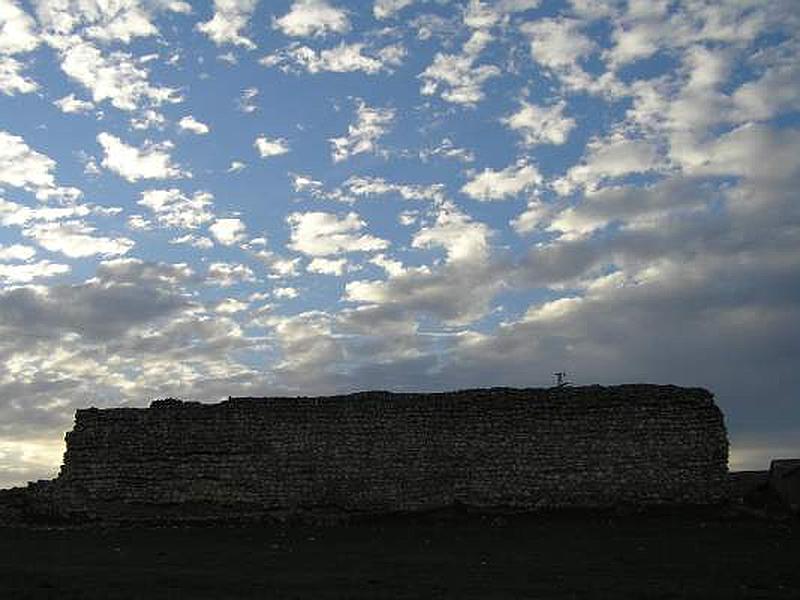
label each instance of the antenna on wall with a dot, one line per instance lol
(561, 379)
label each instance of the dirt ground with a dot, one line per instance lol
(684, 555)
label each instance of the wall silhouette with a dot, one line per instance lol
(379, 452)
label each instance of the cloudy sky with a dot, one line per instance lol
(233, 197)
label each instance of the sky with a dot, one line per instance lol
(298, 197)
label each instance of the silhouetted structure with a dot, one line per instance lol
(784, 479)
(561, 378)
(383, 452)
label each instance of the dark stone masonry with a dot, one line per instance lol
(384, 452)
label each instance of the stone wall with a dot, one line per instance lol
(379, 452)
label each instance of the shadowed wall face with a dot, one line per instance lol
(378, 451)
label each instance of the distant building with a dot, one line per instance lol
(784, 479)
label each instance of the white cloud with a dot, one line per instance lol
(393, 54)
(231, 306)
(327, 266)
(344, 58)
(195, 241)
(305, 341)
(279, 267)
(13, 214)
(76, 239)
(464, 239)
(301, 183)
(324, 234)
(27, 272)
(385, 9)
(408, 217)
(362, 136)
(391, 266)
(138, 223)
(457, 292)
(17, 29)
(72, 104)
(457, 76)
(228, 274)
(478, 15)
(360, 186)
(608, 158)
(541, 124)
(189, 123)
(246, 102)
(312, 18)
(536, 215)
(228, 231)
(637, 208)
(776, 91)
(174, 209)
(757, 152)
(236, 166)
(504, 184)
(153, 161)
(558, 43)
(148, 119)
(23, 167)
(286, 293)
(103, 20)
(12, 80)
(447, 149)
(268, 147)
(115, 76)
(230, 18)
(124, 27)
(16, 252)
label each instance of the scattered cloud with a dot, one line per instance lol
(503, 184)
(308, 18)
(385, 9)
(343, 58)
(152, 161)
(76, 239)
(192, 125)
(447, 149)
(172, 208)
(246, 101)
(285, 293)
(358, 187)
(23, 167)
(228, 274)
(12, 79)
(228, 231)
(541, 124)
(370, 125)
(71, 104)
(17, 29)
(16, 252)
(327, 266)
(456, 77)
(27, 272)
(325, 234)
(268, 147)
(608, 158)
(116, 76)
(195, 241)
(230, 18)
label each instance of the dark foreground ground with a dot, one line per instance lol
(697, 554)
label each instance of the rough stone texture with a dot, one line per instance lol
(383, 452)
